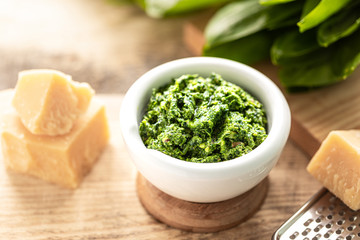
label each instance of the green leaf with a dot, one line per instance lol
(248, 50)
(283, 15)
(274, 2)
(331, 65)
(163, 8)
(307, 75)
(120, 2)
(309, 5)
(340, 25)
(233, 21)
(320, 13)
(347, 55)
(243, 18)
(293, 46)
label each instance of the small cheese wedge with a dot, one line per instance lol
(49, 102)
(337, 166)
(64, 159)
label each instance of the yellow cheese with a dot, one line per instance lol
(337, 166)
(64, 159)
(49, 102)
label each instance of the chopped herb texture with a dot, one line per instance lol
(203, 119)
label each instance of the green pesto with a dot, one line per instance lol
(205, 120)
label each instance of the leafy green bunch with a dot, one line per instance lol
(314, 42)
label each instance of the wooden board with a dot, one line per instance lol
(200, 217)
(315, 113)
(106, 205)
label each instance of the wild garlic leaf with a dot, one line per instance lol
(248, 50)
(233, 21)
(347, 55)
(283, 15)
(340, 25)
(273, 2)
(331, 65)
(309, 5)
(163, 8)
(307, 75)
(293, 46)
(243, 18)
(320, 13)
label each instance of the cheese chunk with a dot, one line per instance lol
(49, 102)
(64, 159)
(337, 166)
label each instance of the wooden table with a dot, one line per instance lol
(106, 205)
(110, 46)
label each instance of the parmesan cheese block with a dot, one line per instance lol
(49, 102)
(337, 166)
(64, 159)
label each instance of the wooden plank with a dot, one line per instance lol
(330, 108)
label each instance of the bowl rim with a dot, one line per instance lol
(271, 146)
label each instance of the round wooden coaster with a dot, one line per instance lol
(200, 217)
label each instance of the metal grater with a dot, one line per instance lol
(324, 216)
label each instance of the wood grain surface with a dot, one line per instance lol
(106, 205)
(336, 107)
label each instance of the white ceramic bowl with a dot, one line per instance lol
(206, 182)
